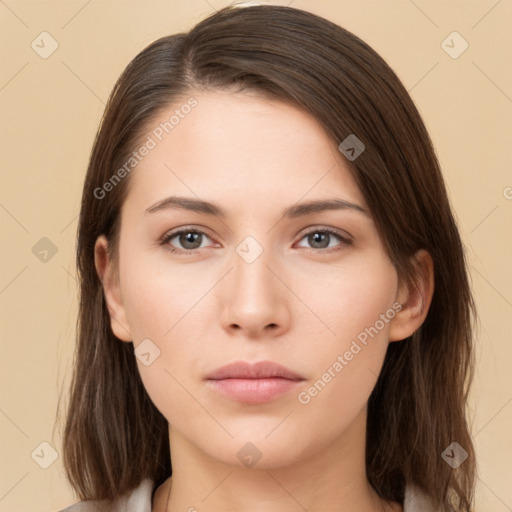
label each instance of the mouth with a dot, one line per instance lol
(253, 383)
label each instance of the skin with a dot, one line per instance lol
(297, 304)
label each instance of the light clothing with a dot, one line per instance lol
(139, 500)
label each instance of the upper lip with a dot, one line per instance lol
(259, 370)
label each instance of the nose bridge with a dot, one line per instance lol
(254, 274)
(254, 281)
(255, 297)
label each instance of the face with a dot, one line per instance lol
(311, 289)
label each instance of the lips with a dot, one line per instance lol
(255, 383)
(259, 370)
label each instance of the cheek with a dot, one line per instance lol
(163, 305)
(158, 299)
(349, 297)
(354, 304)
(162, 311)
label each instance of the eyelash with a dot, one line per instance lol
(168, 237)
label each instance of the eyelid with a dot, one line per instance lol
(344, 235)
(190, 227)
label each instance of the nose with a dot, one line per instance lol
(255, 298)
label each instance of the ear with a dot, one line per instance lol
(111, 289)
(415, 300)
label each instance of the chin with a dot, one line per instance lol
(256, 451)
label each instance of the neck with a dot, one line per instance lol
(331, 478)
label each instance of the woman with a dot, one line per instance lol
(262, 224)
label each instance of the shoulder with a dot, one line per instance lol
(415, 500)
(138, 500)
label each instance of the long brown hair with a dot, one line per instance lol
(114, 436)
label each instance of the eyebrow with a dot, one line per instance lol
(294, 211)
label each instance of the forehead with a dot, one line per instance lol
(238, 147)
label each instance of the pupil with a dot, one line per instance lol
(190, 238)
(318, 237)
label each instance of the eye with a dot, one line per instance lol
(321, 238)
(190, 240)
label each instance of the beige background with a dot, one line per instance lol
(50, 111)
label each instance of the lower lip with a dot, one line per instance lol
(254, 391)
